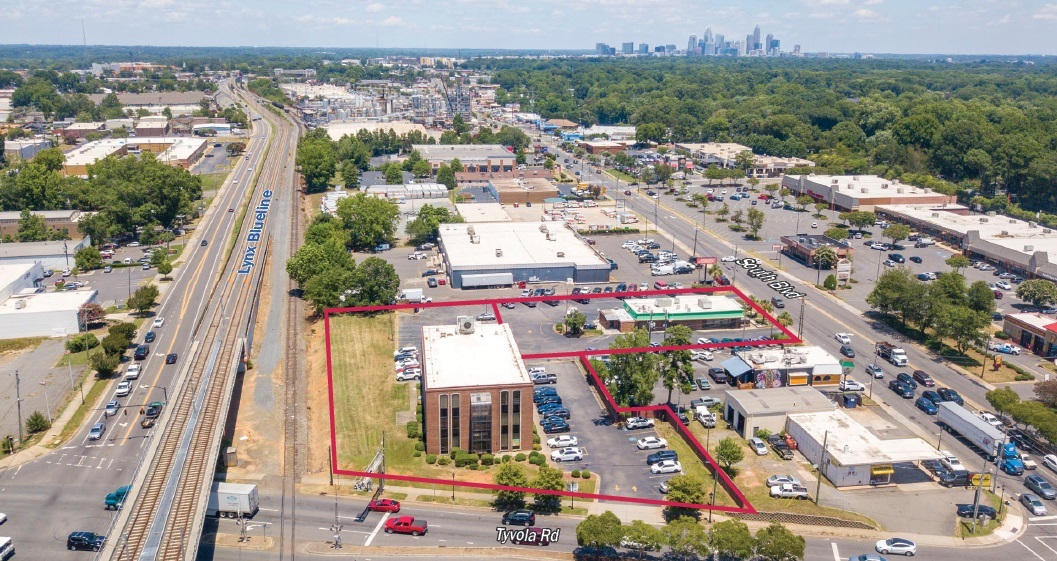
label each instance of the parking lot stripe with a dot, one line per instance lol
(1025, 547)
(836, 552)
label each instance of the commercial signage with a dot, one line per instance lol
(843, 270)
(707, 260)
(752, 266)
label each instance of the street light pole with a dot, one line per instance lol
(47, 405)
(18, 403)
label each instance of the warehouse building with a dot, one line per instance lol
(53, 255)
(515, 190)
(474, 157)
(499, 254)
(602, 146)
(27, 311)
(24, 149)
(176, 151)
(792, 366)
(152, 126)
(862, 192)
(851, 455)
(752, 410)
(483, 406)
(696, 311)
(1019, 246)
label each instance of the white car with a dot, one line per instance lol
(814, 224)
(990, 419)
(1050, 461)
(416, 256)
(850, 385)
(950, 461)
(727, 259)
(666, 466)
(651, 442)
(563, 441)
(123, 388)
(409, 374)
(701, 355)
(1004, 285)
(570, 454)
(158, 322)
(843, 338)
(638, 423)
(901, 546)
(782, 480)
(132, 372)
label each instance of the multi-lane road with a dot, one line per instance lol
(63, 491)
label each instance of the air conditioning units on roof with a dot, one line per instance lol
(991, 213)
(1004, 233)
(1029, 248)
(935, 215)
(983, 219)
(855, 178)
(465, 324)
(1046, 231)
(470, 230)
(836, 181)
(1032, 224)
(861, 189)
(1012, 220)
(884, 185)
(899, 190)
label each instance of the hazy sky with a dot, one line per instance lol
(897, 26)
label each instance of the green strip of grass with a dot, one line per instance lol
(92, 392)
(13, 345)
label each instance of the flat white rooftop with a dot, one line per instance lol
(683, 304)
(863, 186)
(487, 357)
(780, 401)
(61, 301)
(515, 244)
(40, 249)
(338, 129)
(1035, 320)
(851, 444)
(180, 148)
(12, 272)
(791, 357)
(482, 212)
(464, 152)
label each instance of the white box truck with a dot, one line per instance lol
(229, 500)
(956, 419)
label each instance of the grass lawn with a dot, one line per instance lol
(94, 388)
(13, 345)
(620, 175)
(688, 459)
(366, 394)
(965, 526)
(81, 359)
(213, 181)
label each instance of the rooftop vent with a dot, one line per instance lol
(1047, 231)
(1004, 233)
(498, 252)
(983, 219)
(1012, 220)
(1029, 249)
(470, 230)
(664, 302)
(935, 215)
(1033, 224)
(991, 213)
(861, 189)
(884, 185)
(899, 189)
(836, 181)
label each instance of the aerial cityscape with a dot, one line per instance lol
(458, 285)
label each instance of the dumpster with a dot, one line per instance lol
(851, 401)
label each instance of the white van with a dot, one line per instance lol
(758, 446)
(133, 372)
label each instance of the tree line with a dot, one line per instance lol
(985, 127)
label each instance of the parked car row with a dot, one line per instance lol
(554, 417)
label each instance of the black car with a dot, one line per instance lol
(553, 398)
(85, 541)
(915, 259)
(556, 427)
(653, 245)
(170, 358)
(648, 258)
(608, 290)
(932, 396)
(900, 388)
(560, 413)
(142, 352)
(950, 395)
(847, 351)
(150, 337)
(897, 258)
(519, 518)
(934, 467)
(431, 282)
(718, 374)
(966, 511)
(430, 272)
(596, 290)
(531, 303)
(908, 380)
(657, 457)
(622, 287)
(959, 478)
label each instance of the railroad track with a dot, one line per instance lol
(189, 446)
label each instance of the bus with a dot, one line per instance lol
(7, 549)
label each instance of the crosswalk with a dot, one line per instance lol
(1043, 548)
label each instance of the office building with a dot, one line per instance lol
(627, 48)
(474, 157)
(481, 406)
(644, 49)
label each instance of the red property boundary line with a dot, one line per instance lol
(663, 409)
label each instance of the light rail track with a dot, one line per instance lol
(189, 445)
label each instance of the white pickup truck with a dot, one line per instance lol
(789, 491)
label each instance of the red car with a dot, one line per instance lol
(384, 505)
(406, 525)
(763, 197)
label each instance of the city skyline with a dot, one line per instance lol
(839, 26)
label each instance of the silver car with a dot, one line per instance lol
(1033, 504)
(97, 431)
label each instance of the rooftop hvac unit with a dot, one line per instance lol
(1012, 220)
(543, 228)
(498, 252)
(895, 182)
(1046, 231)
(991, 213)
(926, 189)
(1032, 224)
(935, 215)
(1004, 233)
(855, 178)
(20, 304)
(664, 302)
(470, 230)
(836, 181)
(1029, 249)
(475, 239)
(884, 185)
(704, 303)
(983, 219)
(465, 324)
(861, 189)
(899, 189)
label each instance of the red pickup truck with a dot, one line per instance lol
(406, 525)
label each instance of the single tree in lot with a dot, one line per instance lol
(599, 531)
(143, 298)
(839, 234)
(647, 536)
(755, 221)
(958, 262)
(574, 323)
(1039, 292)
(981, 298)
(632, 376)
(685, 489)
(897, 233)
(91, 313)
(105, 364)
(677, 369)
(819, 207)
(729, 452)
(861, 219)
(88, 258)
(548, 479)
(802, 201)
(165, 267)
(785, 319)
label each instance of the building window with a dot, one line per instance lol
(443, 423)
(515, 417)
(456, 419)
(504, 420)
(480, 423)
